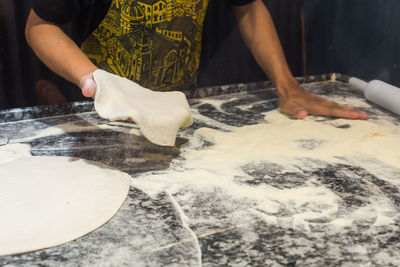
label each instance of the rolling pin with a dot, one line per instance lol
(380, 93)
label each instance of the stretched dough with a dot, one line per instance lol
(158, 114)
(48, 201)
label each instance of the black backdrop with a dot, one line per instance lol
(225, 57)
(358, 37)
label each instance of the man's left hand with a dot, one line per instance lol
(297, 103)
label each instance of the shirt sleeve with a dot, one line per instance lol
(241, 2)
(57, 11)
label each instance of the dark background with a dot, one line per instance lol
(357, 37)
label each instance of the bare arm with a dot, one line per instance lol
(58, 52)
(258, 31)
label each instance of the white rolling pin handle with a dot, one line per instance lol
(384, 95)
(357, 83)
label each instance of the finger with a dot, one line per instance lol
(363, 115)
(89, 88)
(351, 114)
(300, 114)
(346, 112)
(323, 107)
(294, 110)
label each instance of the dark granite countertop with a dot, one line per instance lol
(191, 227)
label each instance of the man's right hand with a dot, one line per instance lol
(88, 85)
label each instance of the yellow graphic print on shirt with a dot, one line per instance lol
(156, 43)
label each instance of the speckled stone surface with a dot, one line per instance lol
(192, 228)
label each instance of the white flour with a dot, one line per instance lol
(288, 143)
(14, 151)
(283, 140)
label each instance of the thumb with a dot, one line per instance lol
(88, 85)
(294, 110)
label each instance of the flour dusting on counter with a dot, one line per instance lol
(283, 140)
(292, 147)
(14, 151)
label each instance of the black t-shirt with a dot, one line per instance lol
(85, 14)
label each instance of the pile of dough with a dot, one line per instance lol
(158, 114)
(48, 201)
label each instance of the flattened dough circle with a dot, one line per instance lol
(48, 201)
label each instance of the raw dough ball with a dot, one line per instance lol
(158, 114)
(48, 201)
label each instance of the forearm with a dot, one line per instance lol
(258, 31)
(56, 50)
